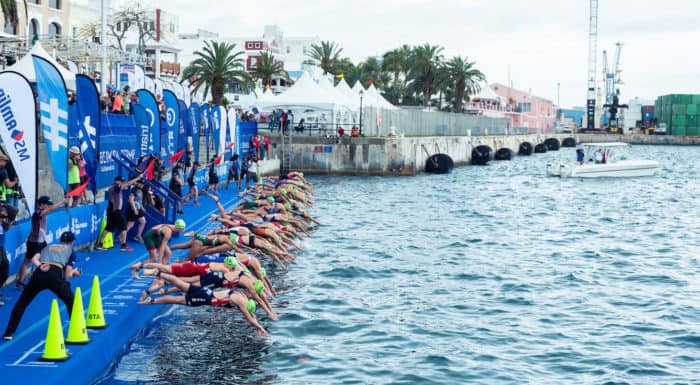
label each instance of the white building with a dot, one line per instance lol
(291, 52)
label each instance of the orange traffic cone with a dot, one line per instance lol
(77, 332)
(96, 316)
(54, 348)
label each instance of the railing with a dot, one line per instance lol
(170, 199)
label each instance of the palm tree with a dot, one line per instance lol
(423, 63)
(267, 68)
(466, 78)
(215, 65)
(396, 61)
(10, 14)
(326, 55)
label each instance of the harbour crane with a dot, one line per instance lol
(592, 54)
(612, 94)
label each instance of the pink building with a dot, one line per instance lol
(535, 113)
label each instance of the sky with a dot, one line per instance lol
(537, 44)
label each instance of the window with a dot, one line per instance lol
(525, 107)
(10, 28)
(34, 2)
(33, 28)
(54, 30)
(55, 4)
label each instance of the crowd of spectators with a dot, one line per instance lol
(119, 101)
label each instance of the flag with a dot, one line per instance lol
(18, 131)
(230, 145)
(172, 121)
(176, 156)
(78, 190)
(88, 121)
(218, 159)
(149, 170)
(340, 76)
(148, 102)
(53, 107)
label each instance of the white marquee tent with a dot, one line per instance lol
(25, 66)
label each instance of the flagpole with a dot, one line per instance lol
(103, 46)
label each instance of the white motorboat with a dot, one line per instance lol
(600, 160)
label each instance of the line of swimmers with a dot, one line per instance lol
(221, 268)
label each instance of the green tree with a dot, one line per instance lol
(214, 65)
(424, 61)
(326, 55)
(396, 61)
(466, 79)
(267, 68)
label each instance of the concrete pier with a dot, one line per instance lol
(391, 156)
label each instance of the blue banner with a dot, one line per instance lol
(216, 127)
(87, 119)
(245, 131)
(148, 102)
(206, 122)
(172, 123)
(184, 125)
(84, 221)
(143, 123)
(118, 134)
(194, 127)
(53, 108)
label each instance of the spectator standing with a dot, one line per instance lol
(118, 103)
(55, 267)
(177, 180)
(7, 214)
(83, 178)
(135, 211)
(7, 184)
(234, 171)
(252, 170)
(37, 237)
(283, 121)
(115, 218)
(74, 172)
(271, 123)
(289, 120)
(213, 176)
(267, 145)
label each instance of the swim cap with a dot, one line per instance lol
(258, 285)
(271, 199)
(263, 272)
(250, 305)
(233, 237)
(179, 224)
(287, 206)
(301, 174)
(283, 191)
(260, 180)
(231, 262)
(295, 190)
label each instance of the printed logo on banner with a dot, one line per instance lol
(91, 133)
(16, 133)
(171, 116)
(55, 123)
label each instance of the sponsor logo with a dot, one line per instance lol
(16, 133)
(170, 117)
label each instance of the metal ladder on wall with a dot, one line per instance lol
(286, 151)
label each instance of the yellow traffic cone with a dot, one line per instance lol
(95, 316)
(54, 348)
(77, 332)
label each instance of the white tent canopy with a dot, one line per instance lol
(339, 96)
(344, 89)
(375, 98)
(305, 93)
(25, 66)
(358, 87)
(487, 93)
(266, 97)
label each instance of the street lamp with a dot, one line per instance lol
(362, 93)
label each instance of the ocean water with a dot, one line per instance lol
(488, 275)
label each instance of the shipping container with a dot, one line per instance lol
(647, 109)
(679, 109)
(692, 109)
(678, 130)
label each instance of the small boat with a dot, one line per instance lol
(599, 160)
